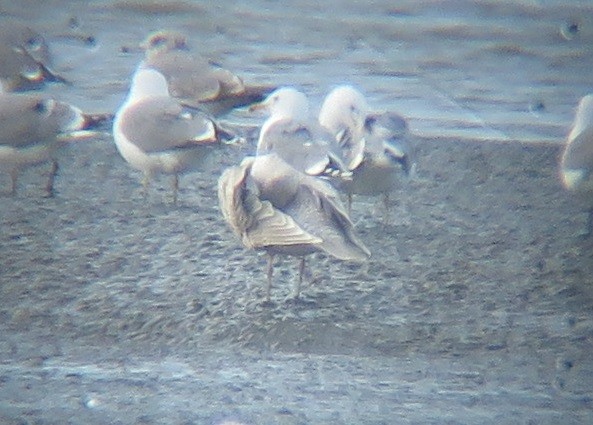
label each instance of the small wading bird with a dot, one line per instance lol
(576, 164)
(374, 145)
(155, 134)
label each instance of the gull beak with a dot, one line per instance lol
(260, 106)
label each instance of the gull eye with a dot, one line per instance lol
(158, 41)
(369, 123)
(43, 106)
(90, 40)
(40, 107)
(34, 43)
(73, 23)
(180, 44)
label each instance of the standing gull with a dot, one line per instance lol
(275, 202)
(195, 81)
(374, 145)
(576, 164)
(25, 59)
(31, 130)
(155, 134)
(271, 206)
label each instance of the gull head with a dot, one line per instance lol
(343, 107)
(45, 117)
(148, 82)
(285, 102)
(21, 37)
(584, 116)
(164, 40)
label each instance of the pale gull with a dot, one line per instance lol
(576, 164)
(155, 134)
(273, 207)
(374, 144)
(194, 80)
(32, 127)
(292, 134)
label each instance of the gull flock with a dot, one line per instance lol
(292, 197)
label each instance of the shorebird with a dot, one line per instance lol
(194, 80)
(155, 134)
(374, 144)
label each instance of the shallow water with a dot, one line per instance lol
(476, 306)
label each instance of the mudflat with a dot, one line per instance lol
(475, 307)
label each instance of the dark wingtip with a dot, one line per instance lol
(369, 122)
(100, 121)
(228, 137)
(407, 165)
(402, 158)
(254, 94)
(51, 77)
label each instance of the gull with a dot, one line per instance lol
(271, 206)
(576, 163)
(25, 59)
(155, 134)
(32, 127)
(290, 132)
(280, 200)
(194, 80)
(374, 144)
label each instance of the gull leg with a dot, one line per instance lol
(145, 184)
(270, 273)
(589, 225)
(386, 209)
(175, 188)
(297, 292)
(349, 203)
(14, 173)
(53, 172)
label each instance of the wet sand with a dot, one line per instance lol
(474, 308)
